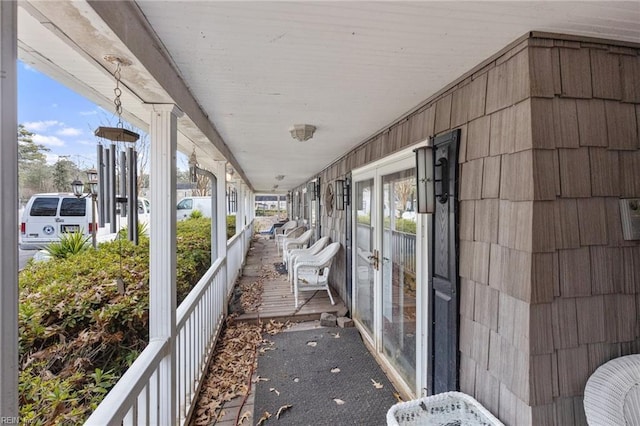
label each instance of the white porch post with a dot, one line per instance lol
(240, 207)
(221, 213)
(8, 212)
(162, 249)
(251, 206)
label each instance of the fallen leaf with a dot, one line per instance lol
(398, 397)
(264, 418)
(282, 409)
(377, 385)
(274, 390)
(260, 379)
(245, 416)
(338, 401)
(312, 344)
(335, 335)
(296, 380)
(335, 370)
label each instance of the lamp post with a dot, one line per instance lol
(78, 190)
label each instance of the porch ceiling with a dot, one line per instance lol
(256, 68)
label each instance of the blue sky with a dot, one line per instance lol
(61, 119)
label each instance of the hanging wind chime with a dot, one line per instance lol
(128, 171)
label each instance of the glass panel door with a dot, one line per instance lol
(398, 263)
(364, 273)
(390, 268)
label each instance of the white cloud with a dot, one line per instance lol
(69, 131)
(51, 158)
(29, 67)
(87, 142)
(48, 140)
(92, 112)
(39, 126)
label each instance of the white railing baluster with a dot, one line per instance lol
(135, 399)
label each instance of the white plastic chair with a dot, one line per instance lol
(283, 229)
(295, 253)
(289, 234)
(612, 393)
(311, 272)
(300, 242)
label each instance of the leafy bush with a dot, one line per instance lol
(406, 225)
(231, 226)
(78, 334)
(143, 229)
(266, 212)
(69, 244)
(196, 214)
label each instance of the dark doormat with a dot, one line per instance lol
(299, 373)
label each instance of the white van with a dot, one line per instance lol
(47, 217)
(188, 205)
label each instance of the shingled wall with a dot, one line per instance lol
(549, 288)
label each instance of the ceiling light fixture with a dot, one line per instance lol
(302, 132)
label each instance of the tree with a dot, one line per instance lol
(64, 171)
(29, 152)
(201, 187)
(33, 172)
(405, 192)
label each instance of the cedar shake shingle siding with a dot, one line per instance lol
(549, 288)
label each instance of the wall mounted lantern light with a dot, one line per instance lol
(425, 182)
(342, 194)
(313, 189)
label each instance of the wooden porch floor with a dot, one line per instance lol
(277, 299)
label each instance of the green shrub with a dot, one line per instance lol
(69, 244)
(406, 225)
(231, 226)
(78, 334)
(196, 214)
(142, 227)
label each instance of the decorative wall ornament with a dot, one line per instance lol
(328, 198)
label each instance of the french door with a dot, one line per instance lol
(389, 274)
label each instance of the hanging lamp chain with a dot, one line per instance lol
(118, 92)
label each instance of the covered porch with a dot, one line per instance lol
(525, 272)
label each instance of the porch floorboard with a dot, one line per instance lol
(277, 299)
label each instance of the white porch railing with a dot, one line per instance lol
(198, 323)
(135, 398)
(236, 253)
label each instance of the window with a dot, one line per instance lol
(73, 207)
(45, 207)
(186, 204)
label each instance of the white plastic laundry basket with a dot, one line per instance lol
(443, 409)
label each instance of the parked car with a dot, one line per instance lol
(188, 205)
(47, 217)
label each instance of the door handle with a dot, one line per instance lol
(376, 259)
